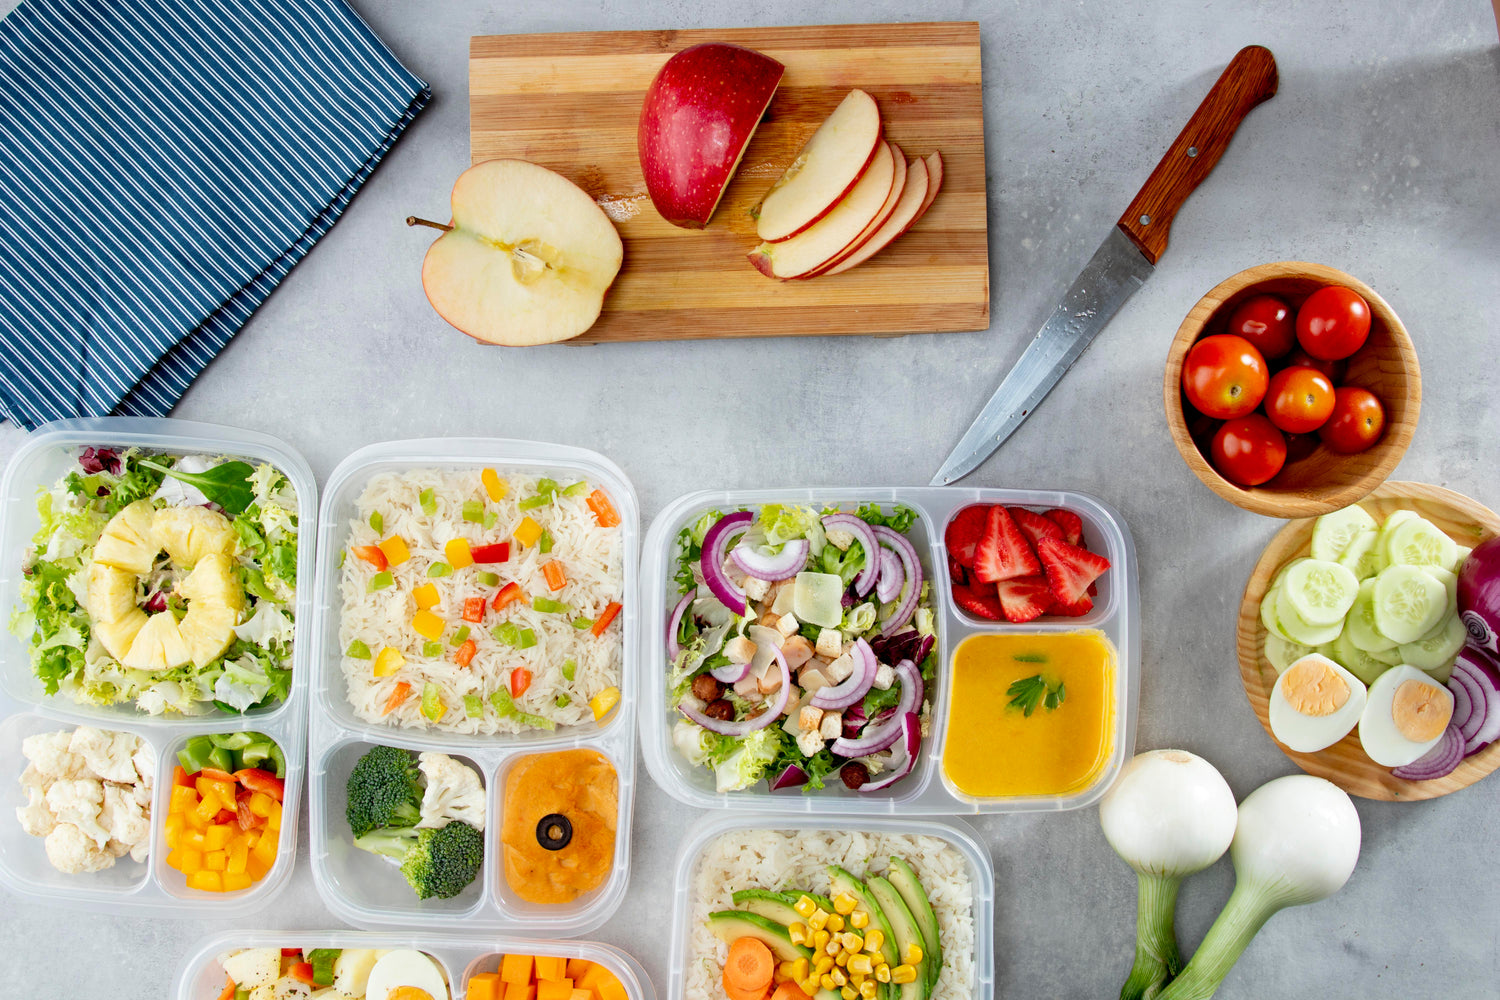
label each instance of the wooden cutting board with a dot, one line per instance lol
(571, 102)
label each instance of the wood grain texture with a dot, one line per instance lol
(1324, 480)
(571, 102)
(1249, 79)
(1345, 764)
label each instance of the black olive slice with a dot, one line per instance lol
(554, 831)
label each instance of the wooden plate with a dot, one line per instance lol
(1344, 763)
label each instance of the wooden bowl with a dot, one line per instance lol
(1344, 763)
(1323, 480)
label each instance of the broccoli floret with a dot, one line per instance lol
(438, 863)
(384, 790)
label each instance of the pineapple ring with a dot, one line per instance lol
(194, 538)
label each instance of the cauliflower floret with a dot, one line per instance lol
(453, 792)
(76, 802)
(49, 754)
(107, 754)
(36, 819)
(125, 819)
(145, 767)
(73, 851)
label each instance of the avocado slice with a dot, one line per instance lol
(841, 881)
(909, 886)
(731, 925)
(778, 906)
(907, 934)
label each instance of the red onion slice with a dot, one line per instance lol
(864, 582)
(1465, 677)
(907, 553)
(854, 687)
(790, 777)
(1463, 705)
(731, 673)
(674, 623)
(906, 757)
(1473, 667)
(876, 737)
(888, 587)
(715, 544)
(782, 566)
(743, 727)
(1437, 762)
(912, 688)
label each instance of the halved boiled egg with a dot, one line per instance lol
(1404, 716)
(405, 974)
(1315, 703)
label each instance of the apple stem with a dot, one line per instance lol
(412, 220)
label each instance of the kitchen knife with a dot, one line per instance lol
(1123, 261)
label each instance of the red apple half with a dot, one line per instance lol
(698, 116)
(824, 170)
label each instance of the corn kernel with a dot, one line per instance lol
(852, 942)
(882, 973)
(844, 903)
(809, 985)
(868, 989)
(804, 906)
(840, 959)
(818, 920)
(861, 965)
(821, 965)
(913, 954)
(833, 948)
(904, 974)
(493, 485)
(839, 978)
(826, 981)
(784, 970)
(799, 969)
(798, 933)
(835, 923)
(848, 994)
(874, 940)
(820, 940)
(859, 921)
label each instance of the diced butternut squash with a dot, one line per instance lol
(610, 987)
(520, 991)
(516, 969)
(483, 986)
(554, 989)
(551, 968)
(577, 969)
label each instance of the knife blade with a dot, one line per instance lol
(1123, 262)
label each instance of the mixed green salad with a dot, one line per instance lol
(802, 643)
(166, 581)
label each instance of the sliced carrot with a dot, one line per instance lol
(553, 571)
(228, 993)
(750, 966)
(371, 554)
(735, 993)
(789, 991)
(464, 655)
(604, 510)
(397, 697)
(602, 622)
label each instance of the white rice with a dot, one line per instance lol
(592, 557)
(786, 860)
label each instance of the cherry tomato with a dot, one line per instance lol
(1266, 322)
(1249, 450)
(1299, 399)
(1299, 446)
(1333, 323)
(1357, 420)
(1224, 376)
(1335, 370)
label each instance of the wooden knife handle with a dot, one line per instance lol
(1249, 79)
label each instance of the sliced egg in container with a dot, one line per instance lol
(1404, 716)
(1315, 703)
(405, 974)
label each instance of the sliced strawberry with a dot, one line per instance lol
(1003, 553)
(1070, 523)
(978, 604)
(1034, 526)
(1024, 598)
(1070, 569)
(956, 571)
(1077, 609)
(964, 533)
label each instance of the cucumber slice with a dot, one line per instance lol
(1268, 606)
(1437, 647)
(1294, 627)
(1390, 657)
(1419, 542)
(1408, 603)
(1360, 626)
(1281, 653)
(1355, 660)
(1449, 582)
(1320, 591)
(1332, 533)
(1458, 560)
(1361, 556)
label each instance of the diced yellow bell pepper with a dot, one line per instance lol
(459, 556)
(256, 868)
(238, 856)
(184, 799)
(388, 661)
(174, 826)
(528, 532)
(174, 859)
(195, 820)
(234, 881)
(493, 484)
(192, 861)
(265, 852)
(207, 810)
(215, 861)
(428, 625)
(206, 881)
(426, 596)
(260, 803)
(273, 817)
(602, 702)
(395, 550)
(216, 837)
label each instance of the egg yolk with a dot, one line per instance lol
(408, 993)
(1314, 688)
(1420, 711)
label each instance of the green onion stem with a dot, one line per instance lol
(1245, 914)
(1157, 959)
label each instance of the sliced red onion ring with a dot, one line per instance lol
(784, 565)
(886, 728)
(907, 553)
(854, 687)
(1463, 679)
(743, 727)
(1483, 726)
(1437, 762)
(906, 755)
(715, 544)
(1463, 705)
(674, 623)
(731, 673)
(888, 587)
(912, 688)
(864, 582)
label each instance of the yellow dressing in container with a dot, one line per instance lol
(994, 748)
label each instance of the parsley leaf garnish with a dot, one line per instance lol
(1029, 693)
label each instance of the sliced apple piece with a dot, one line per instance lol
(826, 169)
(908, 210)
(898, 185)
(823, 241)
(528, 259)
(934, 181)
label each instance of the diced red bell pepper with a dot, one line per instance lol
(556, 578)
(181, 777)
(224, 816)
(246, 819)
(257, 780)
(497, 552)
(473, 609)
(214, 774)
(371, 554)
(520, 680)
(509, 594)
(302, 972)
(289, 952)
(464, 655)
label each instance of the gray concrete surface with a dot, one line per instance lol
(1380, 156)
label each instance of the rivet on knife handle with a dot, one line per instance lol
(1249, 79)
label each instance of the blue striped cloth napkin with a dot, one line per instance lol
(163, 164)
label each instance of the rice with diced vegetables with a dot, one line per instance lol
(798, 860)
(538, 659)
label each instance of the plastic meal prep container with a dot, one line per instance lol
(369, 891)
(150, 887)
(926, 790)
(958, 835)
(202, 978)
